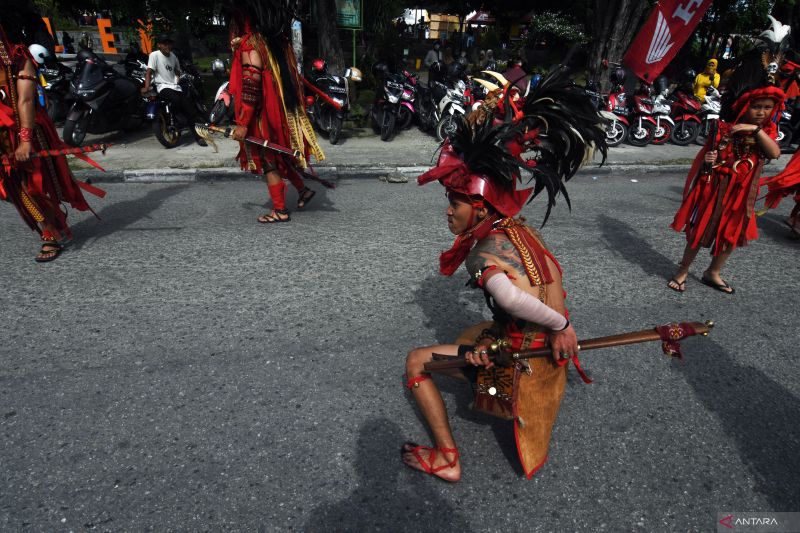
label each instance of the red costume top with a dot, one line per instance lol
(39, 186)
(718, 206)
(261, 106)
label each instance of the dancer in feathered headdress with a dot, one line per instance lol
(484, 168)
(719, 197)
(268, 99)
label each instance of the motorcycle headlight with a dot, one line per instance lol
(393, 98)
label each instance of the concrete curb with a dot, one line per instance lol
(188, 175)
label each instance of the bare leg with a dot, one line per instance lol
(678, 280)
(433, 409)
(713, 272)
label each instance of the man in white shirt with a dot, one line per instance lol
(163, 71)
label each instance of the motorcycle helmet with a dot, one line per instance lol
(218, 67)
(319, 66)
(354, 74)
(455, 70)
(436, 71)
(38, 52)
(618, 76)
(661, 85)
(380, 69)
(688, 75)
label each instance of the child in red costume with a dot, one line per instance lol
(718, 201)
(268, 99)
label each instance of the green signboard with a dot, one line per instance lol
(349, 13)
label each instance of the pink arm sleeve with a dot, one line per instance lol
(522, 305)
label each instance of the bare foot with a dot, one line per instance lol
(678, 282)
(443, 464)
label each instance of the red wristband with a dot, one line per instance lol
(26, 134)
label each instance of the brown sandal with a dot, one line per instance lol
(277, 215)
(51, 249)
(305, 196)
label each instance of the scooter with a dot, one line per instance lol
(102, 100)
(709, 112)
(642, 124)
(661, 112)
(386, 106)
(222, 109)
(451, 109)
(407, 109)
(616, 111)
(685, 114)
(328, 118)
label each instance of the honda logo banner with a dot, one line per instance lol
(669, 26)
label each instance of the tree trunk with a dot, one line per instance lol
(613, 25)
(329, 46)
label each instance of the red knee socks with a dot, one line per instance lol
(278, 194)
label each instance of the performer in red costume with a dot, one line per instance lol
(785, 184)
(721, 189)
(268, 99)
(37, 186)
(479, 168)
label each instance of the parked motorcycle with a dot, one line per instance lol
(661, 112)
(451, 110)
(222, 109)
(386, 106)
(685, 110)
(325, 116)
(616, 111)
(57, 85)
(709, 112)
(642, 124)
(408, 110)
(101, 100)
(167, 122)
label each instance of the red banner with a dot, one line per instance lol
(669, 26)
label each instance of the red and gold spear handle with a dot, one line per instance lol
(100, 147)
(668, 334)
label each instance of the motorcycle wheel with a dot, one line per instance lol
(218, 112)
(404, 118)
(446, 127)
(784, 138)
(641, 136)
(616, 132)
(54, 105)
(702, 132)
(685, 132)
(387, 126)
(75, 131)
(335, 133)
(168, 137)
(662, 133)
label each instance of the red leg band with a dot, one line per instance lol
(278, 195)
(413, 383)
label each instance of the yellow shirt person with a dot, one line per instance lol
(705, 79)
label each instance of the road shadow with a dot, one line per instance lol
(120, 215)
(776, 228)
(760, 416)
(379, 502)
(625, 242)
(320, 202)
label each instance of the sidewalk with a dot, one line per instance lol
(138, 157)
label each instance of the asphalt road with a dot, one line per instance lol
(183, 368)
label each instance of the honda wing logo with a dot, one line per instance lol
(660, 44)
